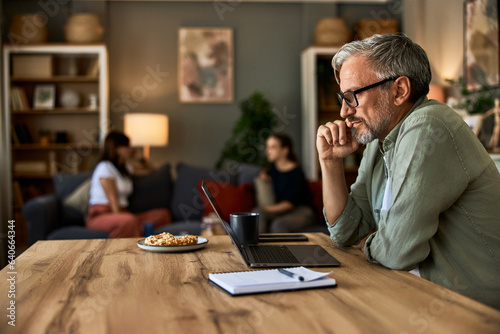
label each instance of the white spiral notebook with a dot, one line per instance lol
(259, 281)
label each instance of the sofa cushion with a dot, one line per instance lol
(248, 172)
(70, 216)
(264, 192)
(230, 198)
(182, 228)
(76, 232)
(316, 190)
(79, 198)
(186, 203)
(65, 184)
(151, 191)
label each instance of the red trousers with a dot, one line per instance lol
(124, 224)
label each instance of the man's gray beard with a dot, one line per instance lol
(365, 137)
(381, 123)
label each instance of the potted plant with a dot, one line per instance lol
(44, 136)
(247, 143)
(479, 106)
(477, 102)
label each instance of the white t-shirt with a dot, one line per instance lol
(105, 169)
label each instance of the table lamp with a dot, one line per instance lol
(436, 92)
(146, 130)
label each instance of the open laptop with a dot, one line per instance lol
(274, 255)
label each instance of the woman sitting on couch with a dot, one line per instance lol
(292, 207)
(110, 188)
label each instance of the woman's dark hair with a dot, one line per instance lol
(286, 141)
(114, 140)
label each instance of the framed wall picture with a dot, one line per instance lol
(481, 61)
(205, 61)
(44, 97)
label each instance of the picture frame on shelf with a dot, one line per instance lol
(481, 44)
(206, 61)
(44, 97)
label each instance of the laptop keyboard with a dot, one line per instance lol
(272, 254)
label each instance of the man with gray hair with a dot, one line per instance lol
(427, 196)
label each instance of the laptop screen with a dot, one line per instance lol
(221, 215)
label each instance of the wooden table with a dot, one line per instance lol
(112, 286)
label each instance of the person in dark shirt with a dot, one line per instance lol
(292, 208)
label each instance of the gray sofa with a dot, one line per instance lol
(49, 217)
(53, 216)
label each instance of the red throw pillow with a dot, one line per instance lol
(230, 198)
(316, 189)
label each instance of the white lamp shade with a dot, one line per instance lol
(146, 129)
(436, 92)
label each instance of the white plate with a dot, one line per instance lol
(202, 242)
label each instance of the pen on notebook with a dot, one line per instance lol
(290, 274)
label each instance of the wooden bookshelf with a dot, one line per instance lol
(37, 129)
(58, 111)
(55, 79)
(53, 146)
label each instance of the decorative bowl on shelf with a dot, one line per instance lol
(83, 29)
(69, 99)
(28, 29)
(331, 31)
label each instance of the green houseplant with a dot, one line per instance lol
(477, 102)
(247, 143)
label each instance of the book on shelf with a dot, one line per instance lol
(18, 195)
(93, 67)
(15, 139)
(19, 99)
(260, 281)
(14, 103)
(25, 103)
(25, 193)
(22, 133)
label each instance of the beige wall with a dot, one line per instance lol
(438, 27)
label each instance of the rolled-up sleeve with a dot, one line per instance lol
(356, 220)
(350, 228)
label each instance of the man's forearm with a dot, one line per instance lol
(334, 188)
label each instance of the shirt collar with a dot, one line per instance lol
(391, 138)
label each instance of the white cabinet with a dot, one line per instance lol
(317, 78)
(319, 106)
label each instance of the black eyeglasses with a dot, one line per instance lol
(350, 96)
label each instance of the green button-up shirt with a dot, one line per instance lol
(444, 211)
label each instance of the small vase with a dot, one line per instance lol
(83, 29)
(28, 29)
(92, 101)
(44, 140)
(331, 31)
